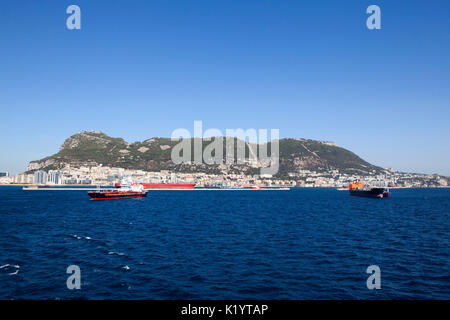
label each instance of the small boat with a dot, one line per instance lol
(360, 190)
(30, 188)
(125, 191)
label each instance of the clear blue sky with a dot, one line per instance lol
(139, 69)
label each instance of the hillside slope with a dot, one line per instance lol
(94, 148)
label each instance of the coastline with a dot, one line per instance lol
(198, 188)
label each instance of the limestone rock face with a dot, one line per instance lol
(91, 148)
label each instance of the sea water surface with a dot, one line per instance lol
(297, 244)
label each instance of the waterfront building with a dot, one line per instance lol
(6, 180)
(40, 177)
(23, 178)
(54, 177)
(71, 181)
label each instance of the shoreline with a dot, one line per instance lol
(164, 189)
(59, 186)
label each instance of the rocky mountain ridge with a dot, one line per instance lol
(92, 148)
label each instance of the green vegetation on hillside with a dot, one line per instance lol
(94, 148)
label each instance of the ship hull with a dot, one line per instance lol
(114, 195)
(372, 193)
(167, 185)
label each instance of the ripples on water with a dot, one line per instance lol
(300, 244)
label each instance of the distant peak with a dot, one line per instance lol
(92, 133)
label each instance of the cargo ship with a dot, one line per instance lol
(125, 191)
(164, 185)
(168, 185)
(358, 189)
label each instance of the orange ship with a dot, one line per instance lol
(358, 189)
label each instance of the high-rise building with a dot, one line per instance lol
(4, 174)
(40, 177)
(54, 177)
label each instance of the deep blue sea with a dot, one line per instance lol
(298, 244)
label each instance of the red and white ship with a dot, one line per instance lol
(165, 185)
(125, 191)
